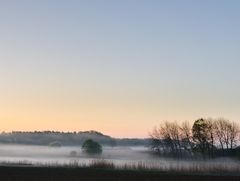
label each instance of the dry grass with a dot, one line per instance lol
(103, 164)
(183, 167)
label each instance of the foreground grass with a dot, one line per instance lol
(14, 173)
(107, 171)
(182, 167)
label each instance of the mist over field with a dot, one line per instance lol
(62, 155)
(23, 155)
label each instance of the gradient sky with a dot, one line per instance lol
(119, 67)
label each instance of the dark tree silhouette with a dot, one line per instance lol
(206, 137)
(91, 147)
(201, 135)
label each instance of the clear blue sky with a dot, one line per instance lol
(119, 67)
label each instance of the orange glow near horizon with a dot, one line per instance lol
(120, 120)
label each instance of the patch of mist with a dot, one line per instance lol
(120, 156)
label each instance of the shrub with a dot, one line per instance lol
(91, 147)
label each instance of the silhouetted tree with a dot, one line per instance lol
(186, 136)
(234, 133)
(169, 138)
(226, 134)
(91, 147)
(201, 135)
(205, 136)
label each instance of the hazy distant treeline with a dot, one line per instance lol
(206, 137)
(65, 138)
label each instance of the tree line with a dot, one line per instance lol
(54, 138)
(204, 138)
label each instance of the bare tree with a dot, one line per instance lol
(171, 133)
(225, 128)
(219, 132)
(166, 138)
(170, 138)
(226, 133)
(234, 132)
(186, 136)
(157, 143)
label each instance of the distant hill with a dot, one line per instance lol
(66, 138)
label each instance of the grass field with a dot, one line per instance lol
(14, 173)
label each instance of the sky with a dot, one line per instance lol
(118, 67)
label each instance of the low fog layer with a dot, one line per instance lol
(44, 155)
(62, 155)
